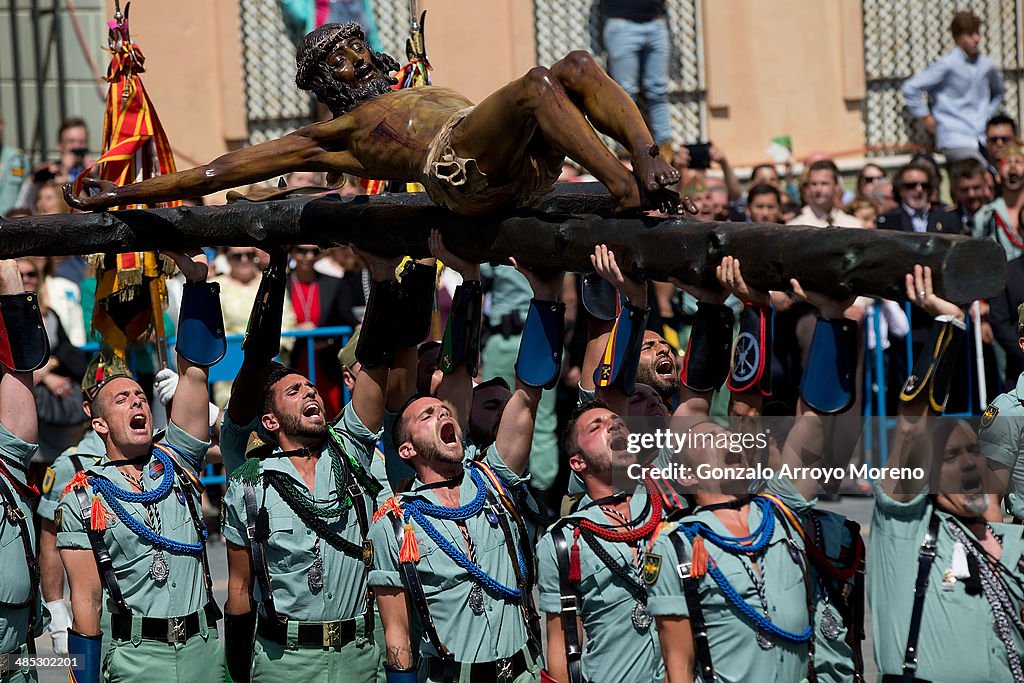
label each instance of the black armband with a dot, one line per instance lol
(934, 367)
(419, 283)
(239, 633)
(24, 346)
(378, 337)
(706, 364)
(461, 342)
(263, 333)
(752, 355)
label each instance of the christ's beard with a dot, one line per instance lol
(343, 97)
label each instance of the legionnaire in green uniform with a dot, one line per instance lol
(833, 546)
(1002, 438)
(130, 525)
(591, 563)
(452, 554)
(944, 584)
(298, 510)
(21, 615)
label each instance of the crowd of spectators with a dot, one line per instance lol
(980, 193)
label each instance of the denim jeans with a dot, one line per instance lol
(642, 48)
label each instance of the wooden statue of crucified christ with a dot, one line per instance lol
(504, 153)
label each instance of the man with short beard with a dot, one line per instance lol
(1000, 219)
(453, 552)
(297, 510)
(937, 571)
(591, 562)
(505, 152)
(129, 527)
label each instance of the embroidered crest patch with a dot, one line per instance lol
(48, 479)
(652, 567)
(368, 553)
(989, 416)
(58, 515)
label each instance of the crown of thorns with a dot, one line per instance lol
(315, 46)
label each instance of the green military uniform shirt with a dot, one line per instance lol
(17, 582)
(735, 652)
(957, 641)
(13, 172)
(833, 657)
(90, 450)
(497, 633)
(290, 547)
(1001, 435)
(615, 649)
(184, 591)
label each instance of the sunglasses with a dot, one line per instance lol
(30, 273)
(306, 251)
(243, 255)
(999, 138)
(870, 179)
(914, 186)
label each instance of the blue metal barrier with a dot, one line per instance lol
(227, 368)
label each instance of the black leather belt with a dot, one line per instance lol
(500, 671)
(170, 630)
(1019, 521)
(326, 634)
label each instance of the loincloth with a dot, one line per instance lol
(459, 185)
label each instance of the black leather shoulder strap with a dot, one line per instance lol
(925, 559)
(99, 549)
(702, 648)
(569, 607)
(257, 531)
(416, 595)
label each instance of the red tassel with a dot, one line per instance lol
(575, 571)
(410, 551)
(80, 480)
(98, 515)
(699, 567)
(390, 505)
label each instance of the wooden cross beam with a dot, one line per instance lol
(560, 234)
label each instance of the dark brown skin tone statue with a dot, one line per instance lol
(504, 153)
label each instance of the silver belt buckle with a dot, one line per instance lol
(176, 630)
(503, 667)
(332, 634)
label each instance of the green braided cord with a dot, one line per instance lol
(286, 485)
(371, 485)
(248, 472)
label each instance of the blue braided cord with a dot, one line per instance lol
(736, 544)
(470, 509)
(111, 491)
(463, 561)
(144, 532)
(730, 593)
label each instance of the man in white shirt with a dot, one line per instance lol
(819, 190)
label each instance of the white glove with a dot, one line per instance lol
(60, 621)
(165, 384)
